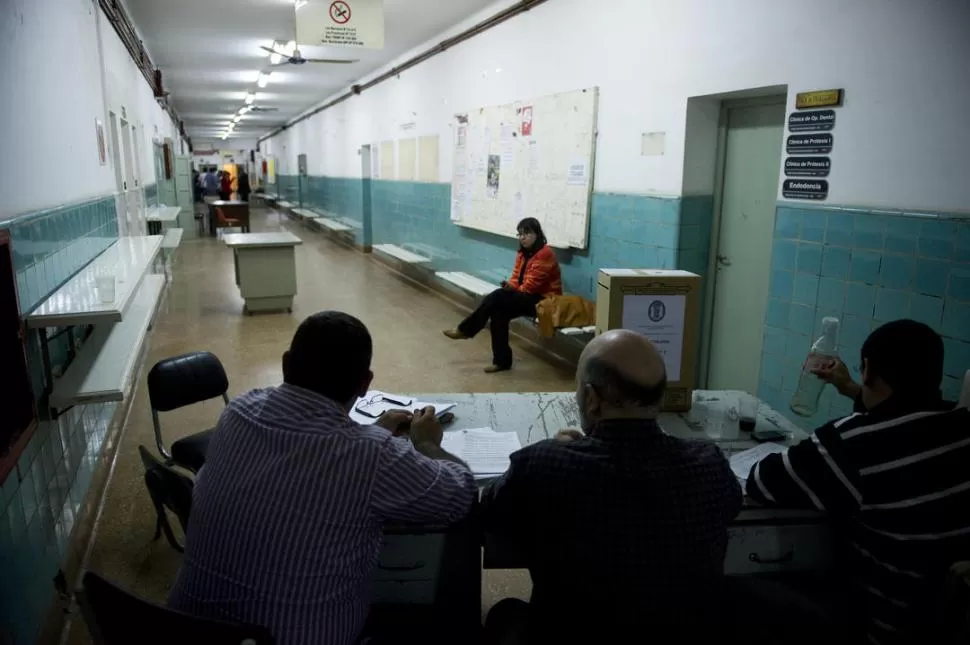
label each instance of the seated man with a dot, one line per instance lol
(287, 512)
(623, 527)
(895, 473)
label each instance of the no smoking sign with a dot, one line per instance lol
(340, 12)
(341, 23)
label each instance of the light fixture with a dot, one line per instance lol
(300, 4)
(263, 79)
(236, 118)
(250, 98)
(243, 110)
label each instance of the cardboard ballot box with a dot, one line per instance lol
(663, 305)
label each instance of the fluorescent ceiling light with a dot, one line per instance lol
(300, 4)
(263, 79)
(236, 118)
(250, 98)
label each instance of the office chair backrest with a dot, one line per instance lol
(183, 380)
(116, 617)
(167, 487)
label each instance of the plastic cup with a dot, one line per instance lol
(747, 412)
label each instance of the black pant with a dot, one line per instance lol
(498, 309)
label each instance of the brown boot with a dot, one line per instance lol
(492, 369)
(454, 334)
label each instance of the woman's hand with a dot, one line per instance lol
(506, 286)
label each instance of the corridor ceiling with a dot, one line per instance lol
(209, 54)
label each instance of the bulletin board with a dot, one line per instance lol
(530, 158)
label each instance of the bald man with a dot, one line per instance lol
(623, 526)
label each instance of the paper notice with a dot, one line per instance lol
(494, 172)
(742, 462)
(578, 172)
(518, 207)
(533, 160)
(661, 319)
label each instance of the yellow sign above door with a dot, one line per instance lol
(818, 98)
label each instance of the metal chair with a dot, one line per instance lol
(169, 489)
(116, 617)
(180, 381)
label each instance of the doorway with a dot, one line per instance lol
(130, 201)
(746, 191)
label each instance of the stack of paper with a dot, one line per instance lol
(485, 451)
(372, 405)
(742, 462)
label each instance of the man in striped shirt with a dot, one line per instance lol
(895, 475)
(287, 512)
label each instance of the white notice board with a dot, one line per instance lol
(531, 158)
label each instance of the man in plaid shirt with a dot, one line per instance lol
(622, 525)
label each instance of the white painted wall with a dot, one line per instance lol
(900, 139)
(50, 72)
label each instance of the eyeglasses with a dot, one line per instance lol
(376, 399)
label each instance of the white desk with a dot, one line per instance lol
(265, 265)
(158, 216)
(77, 301)
(762, 540)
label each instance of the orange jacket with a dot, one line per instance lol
(564, 311)
(541, 276)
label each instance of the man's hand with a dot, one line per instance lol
(506, 286)
(569, 435)
(425, 428)
(837, 373)
(396, 421)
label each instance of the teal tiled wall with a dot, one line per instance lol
(625, 230)
(865, 268)
(41, 498)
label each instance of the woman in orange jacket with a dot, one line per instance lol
(535, 276)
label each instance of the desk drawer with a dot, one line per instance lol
(761, 548)
(410, 557)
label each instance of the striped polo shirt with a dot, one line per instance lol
(287, 514)
(899, 478)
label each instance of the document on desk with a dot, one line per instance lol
(742, 462)
(485, 451)
(372, 405)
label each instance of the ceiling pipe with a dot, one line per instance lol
(116, 15)
(440, 48)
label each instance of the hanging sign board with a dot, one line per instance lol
(814, 121)
(341, 23)
(817, 189)
(813, 144)
(819, 98)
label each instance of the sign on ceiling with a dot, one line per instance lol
(341, 23)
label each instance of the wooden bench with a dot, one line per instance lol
(401, 254)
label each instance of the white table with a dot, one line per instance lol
(762, 540)
(160, 215)
(265, 266)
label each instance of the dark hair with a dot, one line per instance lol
(532, 225)
(908, 356)
(618, 390)
(330, 355)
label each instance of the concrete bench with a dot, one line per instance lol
(104, 368)
(171, 239)
(304, 214)
(398, 253)
(330, 225)
(469, 283)
(285, 204)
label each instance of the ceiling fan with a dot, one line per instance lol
(297, 59)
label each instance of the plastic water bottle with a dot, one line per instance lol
(805, 401)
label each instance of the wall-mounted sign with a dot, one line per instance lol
(812, 144)
(808, 166)
(819, 98)
(811, 121)
(341, 23)
(815, 189)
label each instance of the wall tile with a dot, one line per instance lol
(961, 251)
(809, 258)
(853, 331)
(776, 314)
(813, 225)
(959, 286)
(865, 266)
(831, 293)
(772, 368)
(783, 255)
(897, 271)
(926, 309)
(902, 235)
(781, 285)
(774, 341)
(956, 319)
(931, 277)
(838, 229)
(801, 318)
(956, 357)
(788, 223)
(805, 289)
(891, 305)
(835, 262)
(860, 299)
